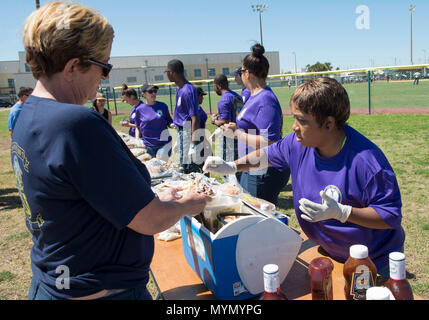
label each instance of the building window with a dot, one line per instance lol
(159, 78)
(131, 79)
(105, 82)
(27, 68)
(197, 73)
(212, 72)
(225, 71)
(11, 83)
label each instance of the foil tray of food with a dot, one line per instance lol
(260, 205)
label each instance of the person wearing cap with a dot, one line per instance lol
(153, 120)
(98, 105)
(201, 113)
(186, 118)
(227, 112)
(207, 150)
(245, 93)
(345, 192)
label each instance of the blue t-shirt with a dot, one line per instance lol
(80, 187)
(226, 106)
(359, 176)
(186, 104)
(13, 115)
(152, 122)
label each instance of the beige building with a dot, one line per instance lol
(136, 70)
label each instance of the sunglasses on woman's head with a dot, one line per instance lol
(105, 67)
(152, 91)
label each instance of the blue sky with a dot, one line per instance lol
(317, 30)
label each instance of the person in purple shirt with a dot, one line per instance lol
(259, 123)
(186, 117)
(130, 97)
(245, 93)
(345, 191)
(153, 120)
(227, 112)
(207, 150)
(201, 113)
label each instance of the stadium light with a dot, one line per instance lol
(296, 80)
(412, 8)
(260, 8)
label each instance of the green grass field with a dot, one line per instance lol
(395, 94)
(403, 138)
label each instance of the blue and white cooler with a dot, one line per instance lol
(230, 261)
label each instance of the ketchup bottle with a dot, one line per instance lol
(360, 273)
(320, 272)
(398, 283)
(272, 289)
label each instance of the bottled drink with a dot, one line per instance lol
(359, 272)
(320, 272)
(379, 293)
(272, 289)
(398, 282)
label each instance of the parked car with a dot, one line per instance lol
(5, 104)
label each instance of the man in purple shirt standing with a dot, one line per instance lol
(227, 112)
(186, 117)
(344, 190)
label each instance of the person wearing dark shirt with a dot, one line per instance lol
(87, 201)
(98, 105)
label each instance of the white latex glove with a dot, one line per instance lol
(192, 154)
(219, 166)
(331, 209)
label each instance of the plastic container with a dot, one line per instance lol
(360, 273)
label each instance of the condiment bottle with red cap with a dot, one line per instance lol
(398, 283)
(360, 273)
(272, 289)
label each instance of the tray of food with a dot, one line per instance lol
(258, 204)
(158, 169)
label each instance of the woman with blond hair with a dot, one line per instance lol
(93, 236)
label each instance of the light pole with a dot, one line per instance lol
(260, 8)
(412, 7)
(424, 62)
(296, 82)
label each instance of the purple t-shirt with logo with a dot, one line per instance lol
(226, 106)
(186, 104)
(359, 176)
(152, 122)
(261, 115)
(132, 131)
